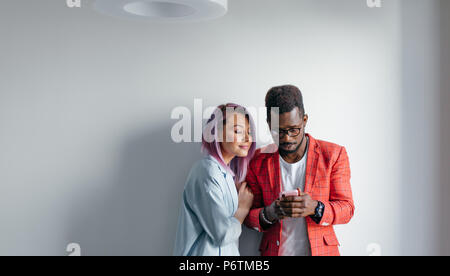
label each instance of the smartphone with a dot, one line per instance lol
(289, 193)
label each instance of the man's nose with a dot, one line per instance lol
(286, 139)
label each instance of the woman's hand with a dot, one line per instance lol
(245, 197)
(245, 202)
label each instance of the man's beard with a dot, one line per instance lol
(286, 152)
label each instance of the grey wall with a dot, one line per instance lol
(425, 147)
(420, 127)
(85, 104)
(445, 127)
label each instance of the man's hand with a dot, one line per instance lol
(298, 206)
(274, 211)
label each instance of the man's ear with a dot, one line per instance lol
(305, 119)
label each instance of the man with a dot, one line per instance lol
(298, 225)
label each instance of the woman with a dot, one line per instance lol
(216, 201)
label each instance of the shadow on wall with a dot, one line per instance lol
(137, 215)
(445, 128)
(424, 176)
(249, 242)
(138, 212)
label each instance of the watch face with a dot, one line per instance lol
(319, 209)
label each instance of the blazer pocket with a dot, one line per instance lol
(331, 240)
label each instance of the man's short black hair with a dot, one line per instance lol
(286, 98)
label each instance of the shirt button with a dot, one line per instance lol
(278, 243)
(325, 224)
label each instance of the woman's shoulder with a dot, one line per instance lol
(207, 167)
(204, 175)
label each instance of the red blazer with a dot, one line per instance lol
(327, 180)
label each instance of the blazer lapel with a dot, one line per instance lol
(311, 164)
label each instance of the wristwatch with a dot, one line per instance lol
(318, 212)
(264, 217)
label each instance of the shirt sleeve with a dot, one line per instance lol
(207, 201)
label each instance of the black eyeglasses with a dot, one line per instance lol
(292, 132)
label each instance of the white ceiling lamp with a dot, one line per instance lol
(163, 10)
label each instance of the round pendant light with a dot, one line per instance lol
(163, 10)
